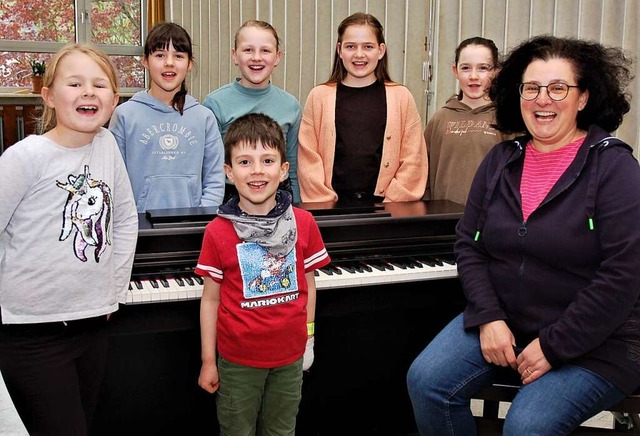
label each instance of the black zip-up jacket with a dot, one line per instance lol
(570, 274)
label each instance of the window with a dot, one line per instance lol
(32, 29)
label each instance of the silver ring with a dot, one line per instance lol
(529, 371)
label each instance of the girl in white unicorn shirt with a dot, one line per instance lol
(69, 224)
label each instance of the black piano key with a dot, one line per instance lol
(348, 268)
(447, 259)
(164, 282)
(397, 264)
(154, 283)
(412, 263)
(437, 261)
(378, 264)
(179, 280)
(367, 267)
(130, 287)
(329, 269)
(189, 280)
(199, 280)
(388, 266)
(427, 261)
(408, 263)
(326, 270)
(138, 284)
(360, 267)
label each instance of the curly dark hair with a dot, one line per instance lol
(603, 71)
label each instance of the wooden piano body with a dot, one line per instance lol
(370, 322)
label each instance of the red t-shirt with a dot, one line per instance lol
(263, 299)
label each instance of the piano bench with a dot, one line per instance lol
(626, 412)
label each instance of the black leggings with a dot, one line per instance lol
(53, 373)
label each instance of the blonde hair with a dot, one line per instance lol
(48, 120)
(260, 25)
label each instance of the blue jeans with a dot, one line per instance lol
(451, 370)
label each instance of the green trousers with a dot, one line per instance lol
(258, 401)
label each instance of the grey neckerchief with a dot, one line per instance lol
(276, 231)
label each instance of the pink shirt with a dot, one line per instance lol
(541, 171)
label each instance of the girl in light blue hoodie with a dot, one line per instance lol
(170, 143)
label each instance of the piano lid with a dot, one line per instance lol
(178, 232)
(179, 217)
(362, 210)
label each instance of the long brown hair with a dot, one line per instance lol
(482, 42)
(338, 71)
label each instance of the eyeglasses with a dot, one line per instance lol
(556, 91)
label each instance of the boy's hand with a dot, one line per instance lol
(209, 379)
(307, 359)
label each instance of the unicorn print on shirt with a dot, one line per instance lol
(88, 213)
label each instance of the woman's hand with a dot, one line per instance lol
(496, 343)
(531, 363)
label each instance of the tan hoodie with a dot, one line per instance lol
(458, 138)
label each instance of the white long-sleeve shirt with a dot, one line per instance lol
(69, 225)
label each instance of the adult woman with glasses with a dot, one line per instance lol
(548, 252)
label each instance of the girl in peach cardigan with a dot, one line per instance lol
(361, 133)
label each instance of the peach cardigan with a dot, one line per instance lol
(404, 167)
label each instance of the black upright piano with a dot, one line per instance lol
(391, 286)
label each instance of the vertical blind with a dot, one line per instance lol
(421, 36)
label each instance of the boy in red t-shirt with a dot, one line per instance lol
(258, 304)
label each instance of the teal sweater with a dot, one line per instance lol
(233, 100)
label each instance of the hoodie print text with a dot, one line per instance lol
(465, 127)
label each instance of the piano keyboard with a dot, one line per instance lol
(378, 272)
(341, 274)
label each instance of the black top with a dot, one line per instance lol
(361, 118)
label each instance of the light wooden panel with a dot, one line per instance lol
(308, 32)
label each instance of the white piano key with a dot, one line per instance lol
(134, 295)
(154, 292)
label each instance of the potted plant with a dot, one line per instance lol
(38, 69)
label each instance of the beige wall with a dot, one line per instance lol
(308, 29)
